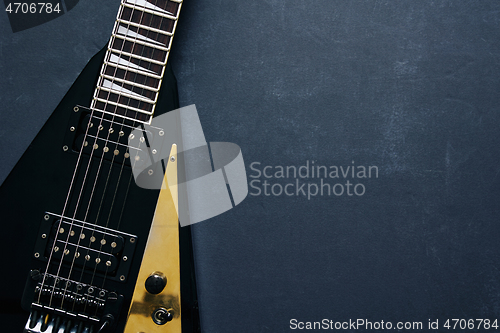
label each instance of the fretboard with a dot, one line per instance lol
(135, 61)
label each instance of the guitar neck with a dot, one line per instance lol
(136, 58)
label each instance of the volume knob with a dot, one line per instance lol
(155, 283)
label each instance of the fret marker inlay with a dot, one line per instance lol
(113, 86)
(129, 33)
(117, 60)
(136, 58)
(146, 4)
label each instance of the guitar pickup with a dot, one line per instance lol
(100, 135)
(87, 246)
(84, 256)
(88, 237)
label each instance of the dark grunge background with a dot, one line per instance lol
(409, 86)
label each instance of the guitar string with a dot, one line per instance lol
(168, 43)
(67, 201)
(106, 145)
(113, 201)
(100, 249)
(100, 123)
(130, 178)
(128, 186)
(54, 245)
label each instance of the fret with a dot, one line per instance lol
(161, 63)
(133, 70)
(120, 111)
(169, 16)
(136, 41)
(169, 6)
(145, 27)
(137, 83)
(129, 89)
(124, 106)
(130, 83)
(137, 53)
(160, 6)
(142, 65)
(128, 72)
(147, 19)
(114, 88)
(143, 34)
(139, 50)
(131, 103)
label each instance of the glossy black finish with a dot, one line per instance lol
(39, 184)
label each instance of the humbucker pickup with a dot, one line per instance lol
(85, 245)
(106, 137)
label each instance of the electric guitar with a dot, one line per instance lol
(106, 255)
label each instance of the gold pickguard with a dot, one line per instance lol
(161, 256)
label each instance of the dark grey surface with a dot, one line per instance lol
(411, 87)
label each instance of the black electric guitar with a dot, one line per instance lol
(99, 253)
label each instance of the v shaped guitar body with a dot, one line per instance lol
(86, 247)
